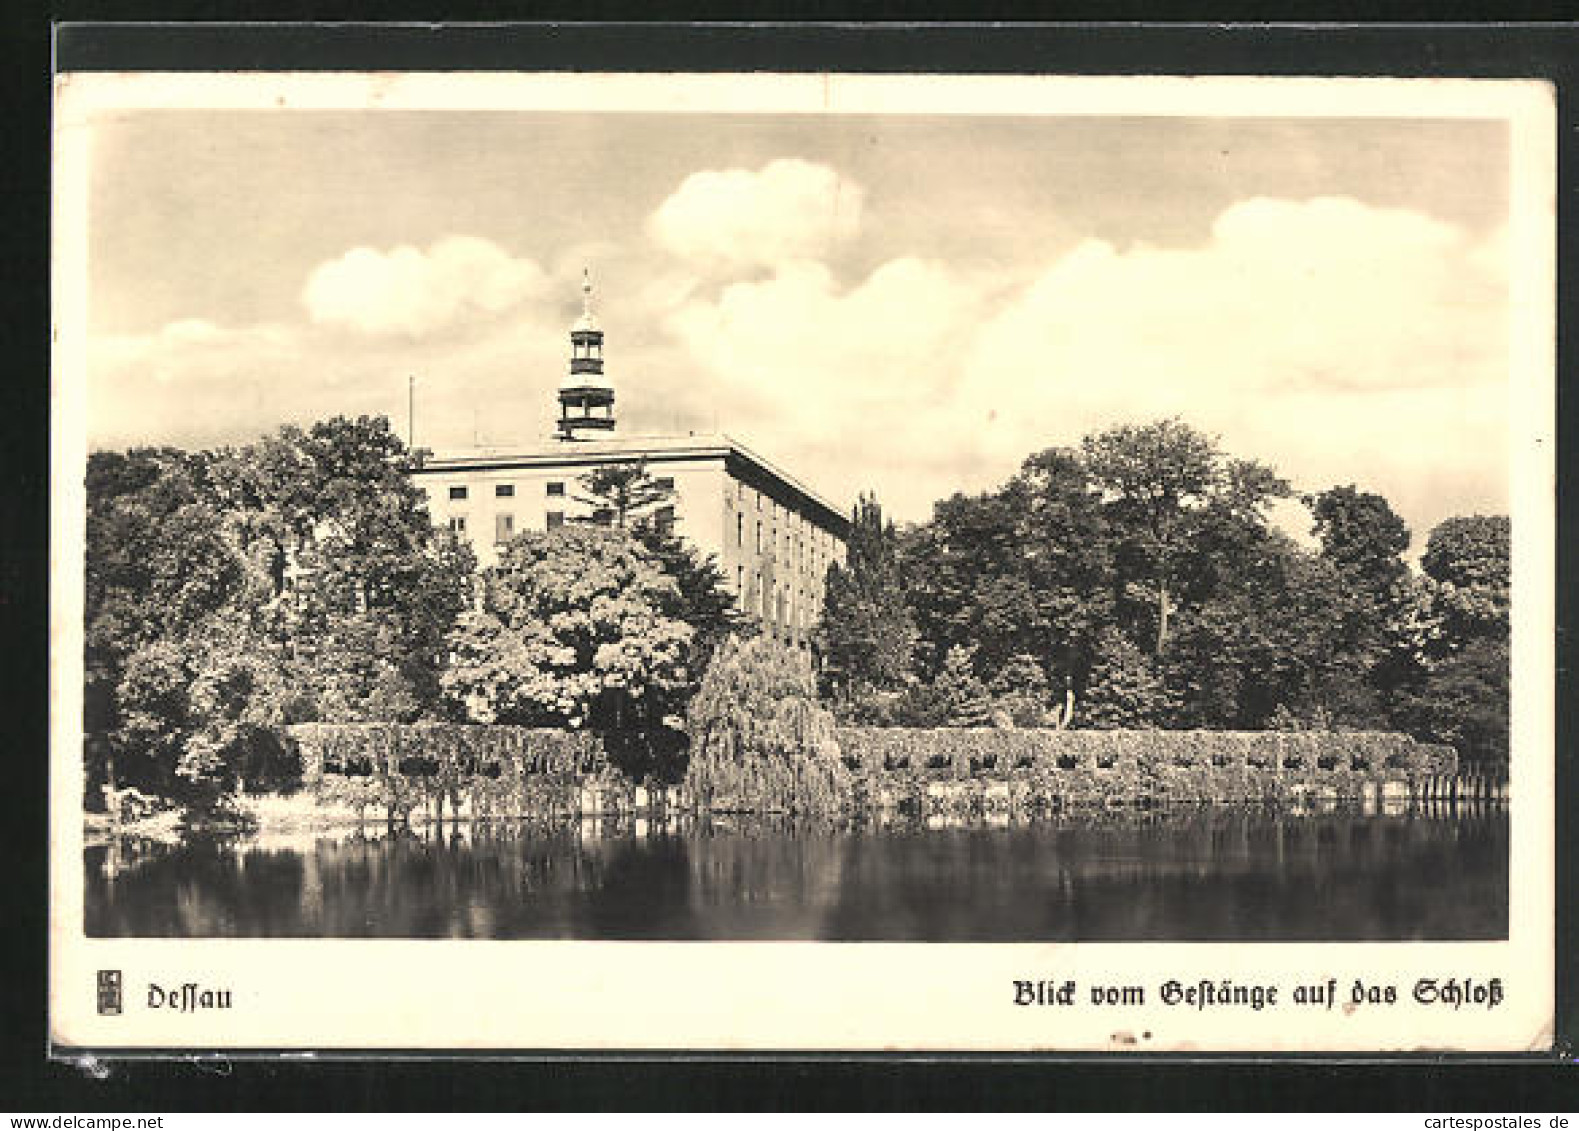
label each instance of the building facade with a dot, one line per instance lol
(771, 536)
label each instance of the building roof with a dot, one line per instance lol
(588, 453)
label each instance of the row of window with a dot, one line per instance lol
(506, 491)
(555, 489)
(504, 524)
(797, 548)
(778, 605)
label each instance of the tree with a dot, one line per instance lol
(1124, 690)
(160, 573)
(701, 598)
(621, 493)
(962, 698)
(1457, 689)
(235, 590)
(1067, 551)
(1020, 690)
(1361, 535)
(1367, 593)
(967, 584)
(1179, 507)
(760, 740)
(1462, 701)
(866, 634)
(372, 588)
(571, 630)
(1467, 562)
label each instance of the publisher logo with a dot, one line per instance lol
(109, 991)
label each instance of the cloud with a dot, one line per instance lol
(408, 291)
(199, 384)
(1338, 341)
(789, 209)
(1321, 335)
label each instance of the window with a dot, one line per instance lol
(458, 523)
(663, 519)
(740, 583)
(556, 490)
(740, 529)
(504, 490)
(457, 492)
(556, 519)
(665, 482)
(759, 537)
(503, 527)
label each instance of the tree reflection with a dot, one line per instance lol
(1178, 873)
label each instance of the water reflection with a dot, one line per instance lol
(1199, 873)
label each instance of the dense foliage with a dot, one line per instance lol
(572, 629)
(231, 591)
(760, 740)
(1137, 581)
(866, 635)
(1132, 581)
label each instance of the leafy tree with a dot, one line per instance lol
(1361, 535)
(866, 634)
(160, 570)
(1467, 563)
(962, 698)
(1181, 511)
(1290, 633)
(1462, 701)
(1067, 552)
(233, 590)
(344, 569)
(701, 599)
(1457, 692)
(1020, 690)
(1124, 691)
(968, 586)
(572, 630)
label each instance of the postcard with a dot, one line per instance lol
(802, 562)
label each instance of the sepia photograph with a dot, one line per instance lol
(1034, 514)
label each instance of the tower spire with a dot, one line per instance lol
(586, 398)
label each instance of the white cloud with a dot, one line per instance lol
(199, 384)
(789, 209)
(414, 292)
(1337, 341)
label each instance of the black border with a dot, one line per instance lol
(1538, 50)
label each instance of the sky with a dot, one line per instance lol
(906, 305)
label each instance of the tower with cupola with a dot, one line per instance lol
(586, 396)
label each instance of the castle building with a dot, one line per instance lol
(771, 536)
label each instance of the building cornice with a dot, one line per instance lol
(653, 449)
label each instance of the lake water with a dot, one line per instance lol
(1197, 873)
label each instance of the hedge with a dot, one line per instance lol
(495, 769)
(1165, 765)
